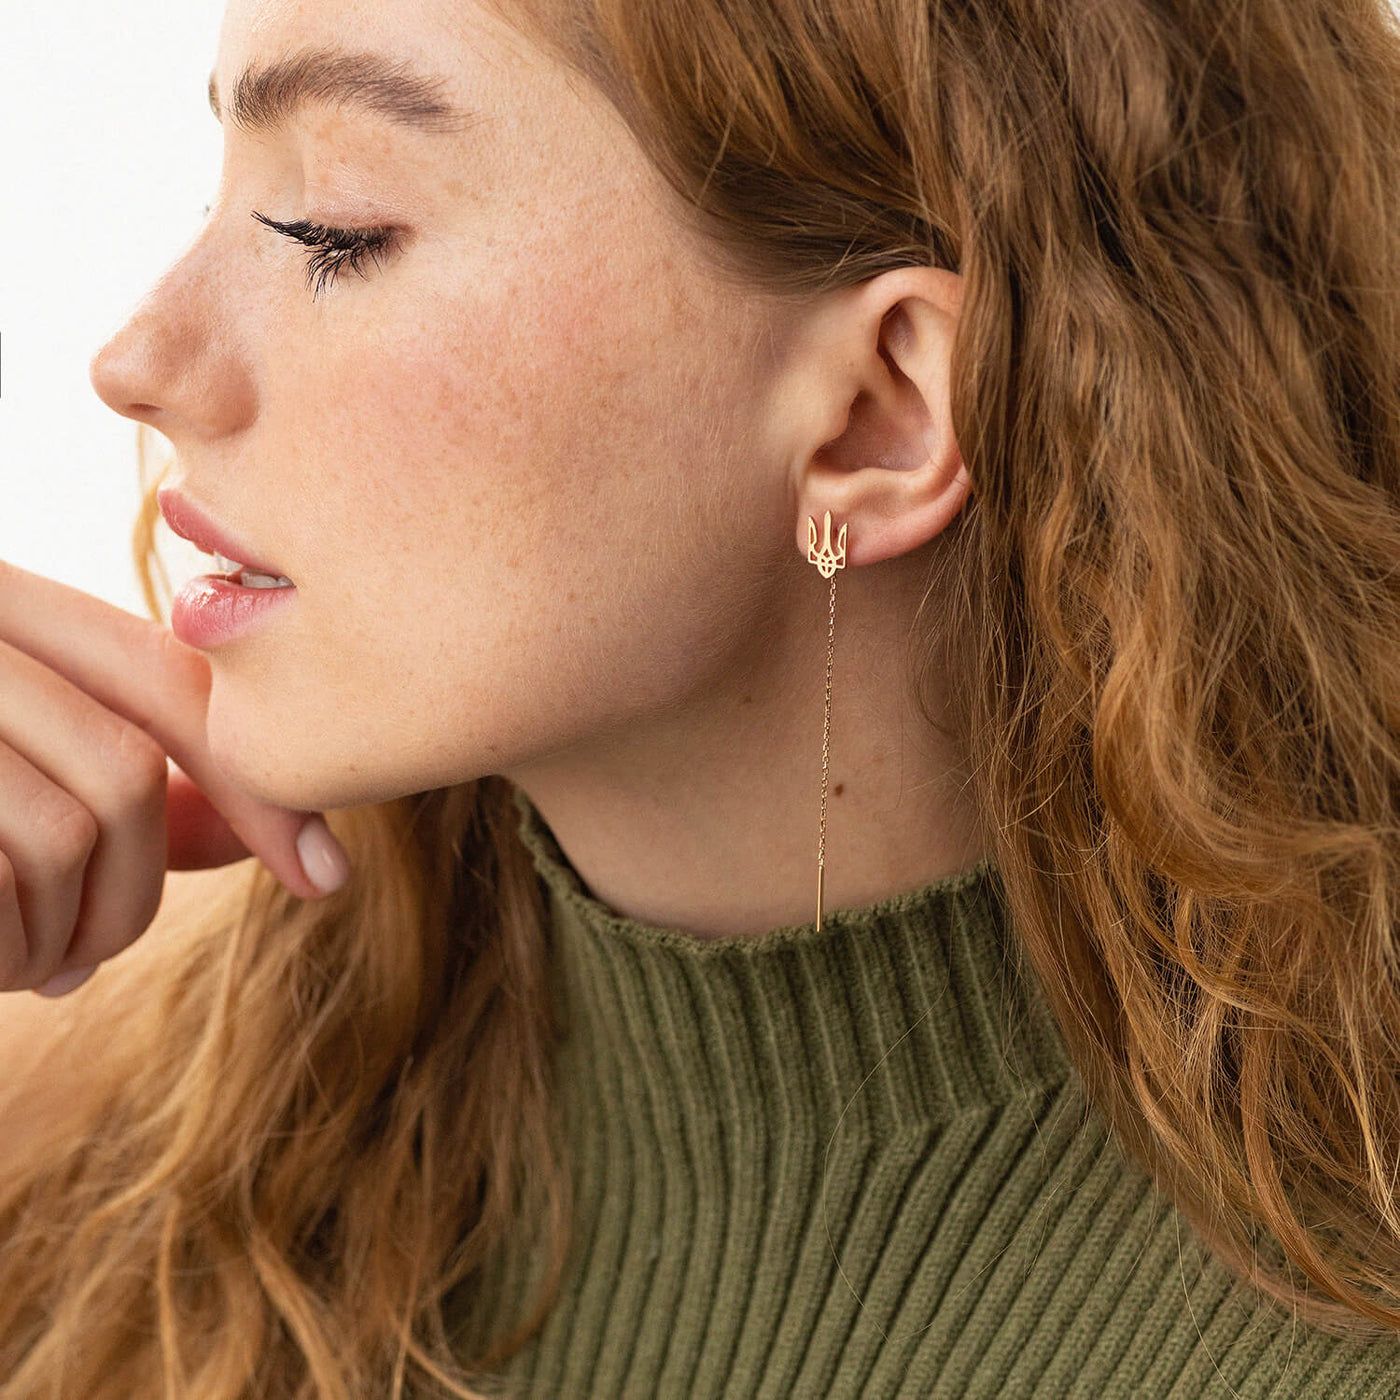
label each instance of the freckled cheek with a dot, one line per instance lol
(485, 446)
(533, 392)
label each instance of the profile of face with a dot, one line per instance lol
(539, 472)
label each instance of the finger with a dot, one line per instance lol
(140, 670)
(47, 837)
(65, 982)
(116, 774)
(199, 837)
(14, 947)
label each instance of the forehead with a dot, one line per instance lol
(412, 90)
(538, 142)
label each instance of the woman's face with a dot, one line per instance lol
(517, 470)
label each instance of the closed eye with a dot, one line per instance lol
(335, 250)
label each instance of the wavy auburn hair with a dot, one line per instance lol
(1173, 607)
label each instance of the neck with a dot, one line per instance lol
(703, 816)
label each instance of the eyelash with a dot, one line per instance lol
(337, 250)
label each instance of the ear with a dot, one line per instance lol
(864, 414)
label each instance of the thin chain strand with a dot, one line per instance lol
(826, 745)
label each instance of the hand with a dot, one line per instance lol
(106, 782)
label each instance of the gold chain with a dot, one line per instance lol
(828, 560)
(826, 746)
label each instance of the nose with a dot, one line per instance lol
(174, 362)
(121, 373)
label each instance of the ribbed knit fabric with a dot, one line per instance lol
(857, 1162)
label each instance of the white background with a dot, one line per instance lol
(108, 155)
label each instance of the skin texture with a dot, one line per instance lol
(542, 479)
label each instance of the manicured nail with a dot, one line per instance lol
(65, 982)
(322, 856)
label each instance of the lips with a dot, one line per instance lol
(193, 523)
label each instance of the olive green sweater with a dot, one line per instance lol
(857, 1162)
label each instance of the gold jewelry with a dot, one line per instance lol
(827, 561)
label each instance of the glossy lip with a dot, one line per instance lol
(210, 611)
(193, 523)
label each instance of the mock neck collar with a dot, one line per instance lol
(923, 986)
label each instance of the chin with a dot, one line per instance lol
(255, 752)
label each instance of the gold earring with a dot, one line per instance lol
(827, 561)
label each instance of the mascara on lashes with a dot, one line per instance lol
(335, 250)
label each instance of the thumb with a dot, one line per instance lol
(200, 836)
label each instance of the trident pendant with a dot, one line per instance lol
(826, 559)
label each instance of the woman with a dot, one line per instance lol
(519, 348)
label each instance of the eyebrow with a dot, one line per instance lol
(265, 97)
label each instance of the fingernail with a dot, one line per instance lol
(65, 982)
(322, 856)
